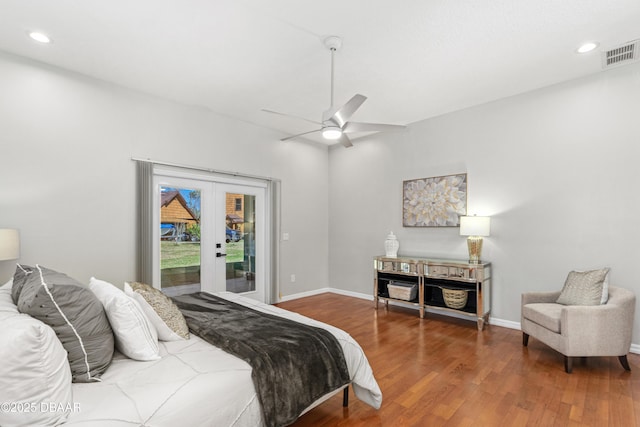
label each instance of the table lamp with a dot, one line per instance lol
(475, 227)
(9, 244)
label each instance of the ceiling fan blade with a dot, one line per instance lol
(346, 111)
(371, 127)
(300, 134)
(291, 116)
(344, 140)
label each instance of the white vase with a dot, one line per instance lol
(391, 245)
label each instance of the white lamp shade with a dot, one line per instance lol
(9, 244)
(475, 225)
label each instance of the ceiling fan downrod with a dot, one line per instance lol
(333, 43)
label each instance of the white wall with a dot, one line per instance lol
(556, 169)
(67, 181)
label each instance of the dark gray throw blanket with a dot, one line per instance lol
(293, 364)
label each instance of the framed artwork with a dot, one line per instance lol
(434, 202)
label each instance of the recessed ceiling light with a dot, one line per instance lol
(587, 47)
(39, 37)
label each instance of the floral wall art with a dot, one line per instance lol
(434, 202)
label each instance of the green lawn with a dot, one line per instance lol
(185, 254)
(235, 251)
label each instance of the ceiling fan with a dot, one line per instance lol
(335, 122)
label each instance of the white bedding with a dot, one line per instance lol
(197, 384)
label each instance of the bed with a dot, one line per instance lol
(194, 383)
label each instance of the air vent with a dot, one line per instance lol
(620, 55)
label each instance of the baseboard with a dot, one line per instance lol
(304, 294)
(635, 348)
(504, 323)
(368, 297)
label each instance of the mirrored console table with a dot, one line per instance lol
(449, 285)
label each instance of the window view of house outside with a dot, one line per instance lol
(180, 237)
(240, 242)
(179, 240)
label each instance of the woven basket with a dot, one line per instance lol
(454, 298)
(405, 292)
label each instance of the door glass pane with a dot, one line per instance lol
(240, 242)
(179, 240)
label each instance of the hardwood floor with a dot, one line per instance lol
(440, 371)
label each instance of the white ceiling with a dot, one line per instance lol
(413, 59)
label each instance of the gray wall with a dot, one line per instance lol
(67, 181)
(556, 169)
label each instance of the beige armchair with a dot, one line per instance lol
(577, 330)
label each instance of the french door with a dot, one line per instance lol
(210, 235)
(240, 246)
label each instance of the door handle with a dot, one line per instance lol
(219, 255)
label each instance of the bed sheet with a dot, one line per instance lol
(195, 383)
(363, 382)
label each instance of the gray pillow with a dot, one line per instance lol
(584, 288)
(20, 276)
(75, 314)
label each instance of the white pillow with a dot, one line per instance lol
(135, 336)
(6, 302)
(35, 372)
(165, 333)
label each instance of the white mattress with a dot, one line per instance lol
(196, 384)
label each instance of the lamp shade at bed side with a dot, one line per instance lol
(9, 244)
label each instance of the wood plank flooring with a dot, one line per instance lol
(440, 371)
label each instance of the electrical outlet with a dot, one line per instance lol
(285, 236)
(293, 278)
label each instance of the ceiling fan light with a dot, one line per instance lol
(331, 132)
